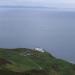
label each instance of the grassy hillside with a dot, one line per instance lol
(22, 61)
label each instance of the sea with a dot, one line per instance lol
(50, 29)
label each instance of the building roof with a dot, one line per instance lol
(39, 49)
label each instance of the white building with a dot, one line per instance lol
(39, 49)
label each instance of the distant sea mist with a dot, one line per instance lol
(36, 27)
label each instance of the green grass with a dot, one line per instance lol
(37, 63)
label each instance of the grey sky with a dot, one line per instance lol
(48, 3)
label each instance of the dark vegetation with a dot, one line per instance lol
(22, 61)
(32, 72)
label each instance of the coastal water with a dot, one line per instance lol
(36, 27)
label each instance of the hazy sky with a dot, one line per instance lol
(48, 3)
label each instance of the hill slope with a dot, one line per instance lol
(22, 61)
